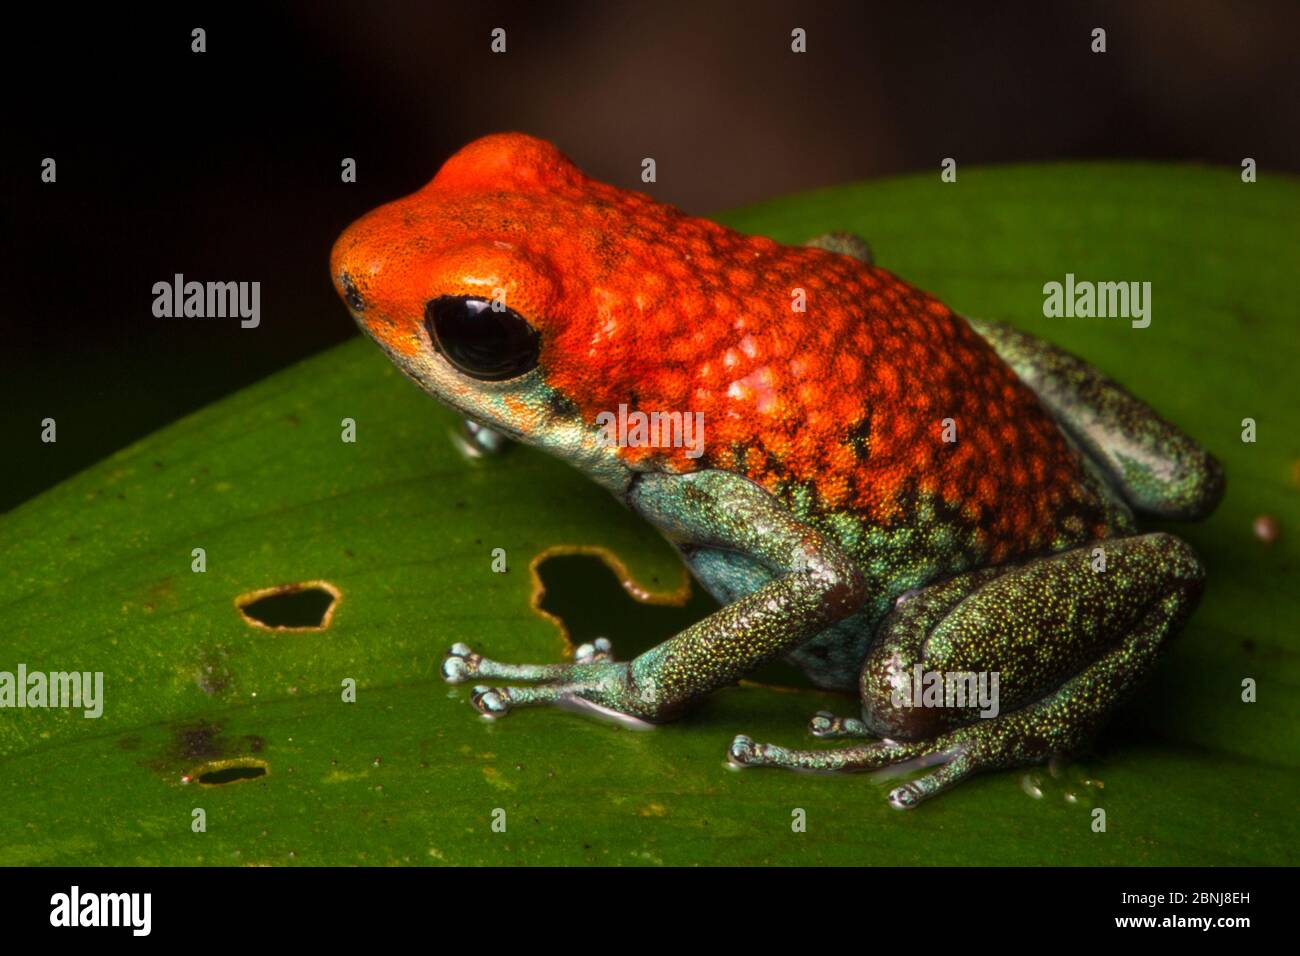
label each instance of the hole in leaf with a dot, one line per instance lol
(587, 597)
(229, 771)
(308, 606)
(231, 774)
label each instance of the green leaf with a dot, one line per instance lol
(95, 575)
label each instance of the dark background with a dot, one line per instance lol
(225, 165)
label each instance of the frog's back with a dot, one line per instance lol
(840, 388)
(896, 412)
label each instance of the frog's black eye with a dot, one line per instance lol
(481, 341)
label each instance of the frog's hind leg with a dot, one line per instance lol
(1155, 466)
(1064, 640)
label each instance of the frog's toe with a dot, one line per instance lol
(905, 797)
(598, 650)
(826, 725)
(743, 752)
(956, 757)
(460, 664)
(475, 440)
(491, 701)
(873, 756)
(957, 769)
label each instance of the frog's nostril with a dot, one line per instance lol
(350, 294)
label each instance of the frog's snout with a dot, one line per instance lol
(348, 290)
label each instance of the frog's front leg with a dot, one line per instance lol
(814, 585)
(1066, 639)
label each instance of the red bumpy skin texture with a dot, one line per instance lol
(638, 303)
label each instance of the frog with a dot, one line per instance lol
(886, 488)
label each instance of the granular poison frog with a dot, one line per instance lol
(887, 489)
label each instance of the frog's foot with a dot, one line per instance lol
(594, 681)
(958, 761)
(462, 663)
(1009, 741)
(744, 752)
(475, 440)
(603, 688)
(826, 725)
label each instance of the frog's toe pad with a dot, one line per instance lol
(743, 752)
(824, 724)
(491, 701)
(598, 650)
(460, 664)
(960, 764)
(828, 726)
(475, 440)
(905, 797)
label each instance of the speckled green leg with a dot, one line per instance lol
(1158, 469)
(1067, 642)
(873, 756)
(814, 585)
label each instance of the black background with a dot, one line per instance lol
(225, 165)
